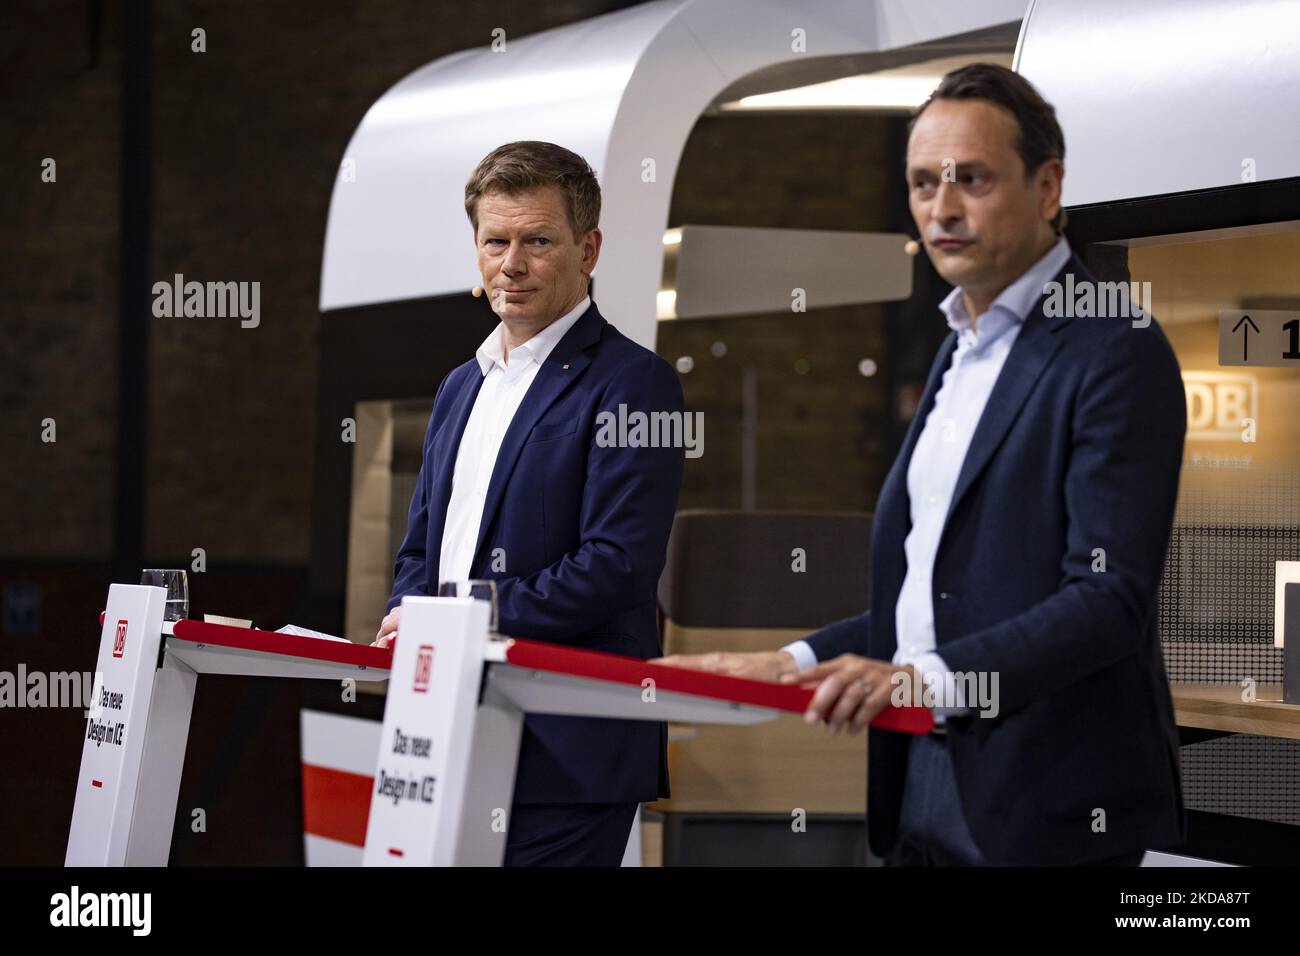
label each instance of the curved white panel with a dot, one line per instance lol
(1166, 96)
(621, 89)
(400, 231)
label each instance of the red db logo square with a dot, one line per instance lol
(423, 667)
(119, 639)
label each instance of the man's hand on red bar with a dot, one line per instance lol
(387, 635)
(850, 690)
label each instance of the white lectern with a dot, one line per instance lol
(138, 724)
(450, 740)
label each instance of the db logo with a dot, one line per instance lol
(1218, 403)
(423, 667)
(119, 639)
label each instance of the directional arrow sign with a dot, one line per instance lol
(1267, 337)
(1245, 320)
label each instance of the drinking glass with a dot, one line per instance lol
(177, 584)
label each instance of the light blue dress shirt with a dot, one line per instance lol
(982, 349)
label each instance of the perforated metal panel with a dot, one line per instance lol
(1235, 519)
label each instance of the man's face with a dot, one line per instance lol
(533, 268)
(983, 223)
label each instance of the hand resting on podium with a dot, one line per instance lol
(387, 633)
(850, 690)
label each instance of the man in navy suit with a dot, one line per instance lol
(524, 483)
(1019, 539)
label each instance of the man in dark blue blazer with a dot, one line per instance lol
(525, 482)
(1019, 538)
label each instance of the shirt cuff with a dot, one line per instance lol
(951, 695)
(803, 654)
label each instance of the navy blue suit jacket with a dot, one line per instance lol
(1079, 448)
(583, 531)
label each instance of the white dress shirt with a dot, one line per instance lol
(982, 349)
(503, 390)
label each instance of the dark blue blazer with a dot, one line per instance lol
(1079, 448)
(583, 531)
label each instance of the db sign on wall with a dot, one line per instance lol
(1218, 403)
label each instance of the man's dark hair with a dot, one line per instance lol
(1041, 138)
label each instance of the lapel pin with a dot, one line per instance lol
(565, 365)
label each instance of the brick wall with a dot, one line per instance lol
(59, 98)
(247, 138)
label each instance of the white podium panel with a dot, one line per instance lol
(114, 741)
(138, 726)
(442, 788)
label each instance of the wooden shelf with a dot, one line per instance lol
(1220, 707)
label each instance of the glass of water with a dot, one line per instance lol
(177, 584)
(478, 590)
